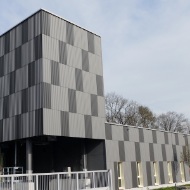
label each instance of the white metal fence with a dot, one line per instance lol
(97, 180)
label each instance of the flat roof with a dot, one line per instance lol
(49, 13)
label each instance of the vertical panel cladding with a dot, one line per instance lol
(151, 149)
(101, 107)
(18, 63)
(149, 174)
(64, 123)
(97, 45)
(85, 61)
(121, 151)
(38, 47)
(37, 24)
(91, 42)
(46, 95)
(128, 175)
(18, 36)
(175, 167)
(1, 108)
(154, 135)
(108, 131)
(2, 49)
(116, 175)
(45, 23)
(55, 79)
(98, 128)
(2, 66)
(25, 101)
(69, 33)
(6, 107)
(176, 139)
(166, 138)
(126, 133)
(141, 135)
(133, 134)
(134, 174)
(161, 168)
(31, 28)
(94, 105)
(6, 84)
(137, 151)
(117, 132)
(145, 152)
(24, 31)
(39, 122)
(100, 85)
(79, 80)
(1, 130)
(62, 52)
(130, 154)
(88, 126)
(164, 152)
(72, 101)
(7, 42)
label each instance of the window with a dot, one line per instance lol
(170, 177)
(139, 175)
(156, 174)
(121, 182)
(182, 171)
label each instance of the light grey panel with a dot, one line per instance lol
(133, 134)
(83, 102)
(97, 45)
(148, 136)
(181, 140)
(98, 128)
(127, 174)
(101, 106)
(158, 152)
(160, 137)
(117, 132)
(130, 151)
(144, 173)
(112, 156)
(169, 152)
(76, 125)
(95, 64)
(144, 151)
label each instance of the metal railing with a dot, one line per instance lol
(100, 180)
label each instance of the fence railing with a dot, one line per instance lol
(101, 180)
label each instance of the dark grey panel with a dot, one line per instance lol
(55, 73)
(94, 105)
(25, 32)
(18, 58)
(176, 139)
(85, 61)
(175, 168)
(72, 101)
(1, 66)
(154, 136)
(88, 126)
(116, 175)
(162, 178)
(141, 135)
(100, 85)
(45, 22)
(64, 123)
(69, 33)
(12, 82)
(164, 152)
(166, 138)
(91, 42)
(186, 140)
(31, 74)
(18, 127)
(137, 151)
(1, 130)
(134, 174)
(39, 122)
(149, 174)
(6, 107)
(25, 101)
(108, 131)
(126, 133)
(46, 97)
(62, 53)
(38, 47)
(121, 150)
(151, 149)
(79, 80)
(174, 153)
(7, 42)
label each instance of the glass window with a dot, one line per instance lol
(170, 177)
(156, 173)
(139, 175)
(121, 182)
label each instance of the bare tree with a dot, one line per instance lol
(185, 155)
(172, 121)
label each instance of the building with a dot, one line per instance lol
(52, 110)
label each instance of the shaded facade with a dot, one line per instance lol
(52, 110)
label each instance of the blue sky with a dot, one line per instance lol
(145, 44)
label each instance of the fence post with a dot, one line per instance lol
(12, 178)
(58, 180)
(77, 175)
(36, 182)
(93, 175)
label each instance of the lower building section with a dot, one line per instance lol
(54, 154)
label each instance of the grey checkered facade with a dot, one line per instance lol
(130, 145)
(51, 80)
(51, 83)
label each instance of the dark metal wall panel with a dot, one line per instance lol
(62, 52)
(94, 105)
(69, 33)
(85, 61)
(88, 126)
(121, 151)
(91, 42)
(149, 174)
(134, 174)
(64, 123)
(79, 80)
(108, 131)
(161, 168)
(100, 85)
(72, 101)
(141, 135)
(137, 151)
